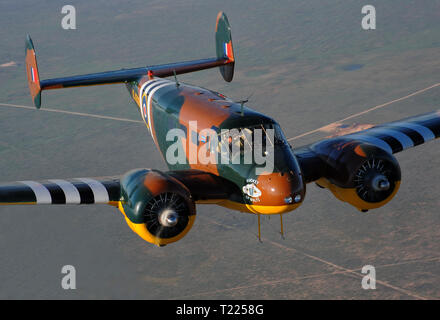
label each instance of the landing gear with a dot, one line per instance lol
(281, 226)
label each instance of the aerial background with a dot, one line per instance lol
(306, 63)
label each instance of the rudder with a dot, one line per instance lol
(224, 49)
(32, 72)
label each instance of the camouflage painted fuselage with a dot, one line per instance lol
(166, 105)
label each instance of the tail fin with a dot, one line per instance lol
(224, 60)
(32, 72)
(223, 41)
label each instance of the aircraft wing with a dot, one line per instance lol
(103, 190)
(393, 137)
(205, 186)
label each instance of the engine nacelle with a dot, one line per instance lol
(365, 176)
(156, 206)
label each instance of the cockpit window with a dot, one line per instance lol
(278, 138)
(245, 138)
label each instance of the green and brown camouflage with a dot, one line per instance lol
(357, 168)
(164, 106)
(158, 206)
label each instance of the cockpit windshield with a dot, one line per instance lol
(246, 138)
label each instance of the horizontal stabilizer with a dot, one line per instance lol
(224, 60)
(127, 75)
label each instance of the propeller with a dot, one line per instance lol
(166, 215)
(372, 178)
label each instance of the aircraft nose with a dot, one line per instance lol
(280, 188)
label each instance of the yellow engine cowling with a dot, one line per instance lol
(156, 206)
(351, 196)
(363, 175)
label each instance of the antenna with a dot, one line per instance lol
(175, 79)
(242, 106)
(242, 102)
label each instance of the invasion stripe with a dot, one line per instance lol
(416, 137)
(149, 103)
(142, 89)
(41, 193)
(57, 194)
(70, 191)
(146, 87)
(432, 124)
(100, 193)
(150, 87)
(147, 91)
(113, 189)
(395, 145)
(423, 117)
(426, 133)
(85, 192)
(16, 193)
(403, 139)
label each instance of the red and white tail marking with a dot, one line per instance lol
(33, 75)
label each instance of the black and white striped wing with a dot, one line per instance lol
(403, 134)
(392, 137)
(73, 191)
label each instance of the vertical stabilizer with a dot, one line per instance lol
(224, 49)
(32, 72)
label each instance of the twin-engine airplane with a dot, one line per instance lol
(358, 168)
